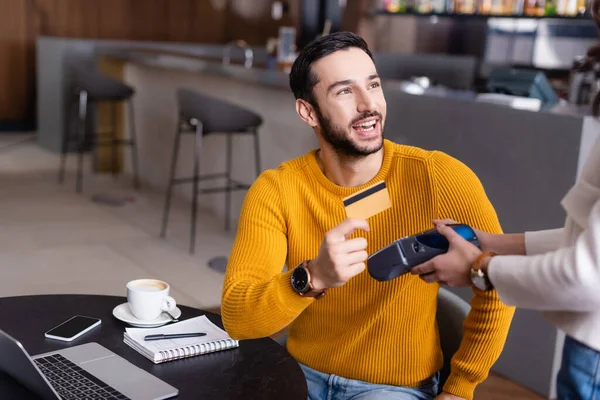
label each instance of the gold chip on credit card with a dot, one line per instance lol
(368, 202)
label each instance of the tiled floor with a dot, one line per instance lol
(53, 240)
(56, 241)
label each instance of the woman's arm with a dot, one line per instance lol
(520, 244)
(505, 244)
(566, 279)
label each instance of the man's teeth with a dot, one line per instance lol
(368, 124)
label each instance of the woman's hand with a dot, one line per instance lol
(485, 238)
(454, 267)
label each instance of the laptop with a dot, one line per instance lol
(87, 371)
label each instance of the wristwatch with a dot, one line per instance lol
(479, 278)
(301, 282)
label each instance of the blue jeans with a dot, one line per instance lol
(332, 387)
(579, 375)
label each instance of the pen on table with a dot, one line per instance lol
(174, 336)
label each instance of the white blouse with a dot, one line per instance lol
(561, 272)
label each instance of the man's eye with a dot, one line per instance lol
(375, 85)
(344, 91)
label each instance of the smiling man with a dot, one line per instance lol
(355, 337)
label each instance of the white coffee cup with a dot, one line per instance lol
(148, 298)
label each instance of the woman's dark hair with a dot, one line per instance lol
(592, 59)
(302, 79)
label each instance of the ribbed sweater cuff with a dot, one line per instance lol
(460, 385)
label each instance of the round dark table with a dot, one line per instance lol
(258, 369)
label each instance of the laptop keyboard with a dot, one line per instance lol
(73, 382)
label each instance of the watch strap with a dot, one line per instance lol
(477, 263)
(317, 294)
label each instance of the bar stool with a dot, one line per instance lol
(90, 87)
(204, 115)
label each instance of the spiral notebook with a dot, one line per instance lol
(159, 351)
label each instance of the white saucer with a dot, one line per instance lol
(123, 313)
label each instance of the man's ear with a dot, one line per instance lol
(307, 113)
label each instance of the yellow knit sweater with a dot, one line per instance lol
(379, 332)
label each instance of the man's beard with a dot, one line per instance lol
(339, 140)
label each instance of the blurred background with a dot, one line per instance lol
(546, 35)
(99, 141)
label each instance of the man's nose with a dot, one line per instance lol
(365, 102)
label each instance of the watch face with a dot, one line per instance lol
(300, 279)
(478, 280)
(480, 284)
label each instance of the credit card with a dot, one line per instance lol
(368, 202)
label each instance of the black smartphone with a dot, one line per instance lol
(73, 328)
(404, 254)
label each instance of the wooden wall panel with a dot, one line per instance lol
(15, 59)
(198, 21)
(157, 20)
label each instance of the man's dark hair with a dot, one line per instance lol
(302, 79)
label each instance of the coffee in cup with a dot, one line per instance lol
(148, 298)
